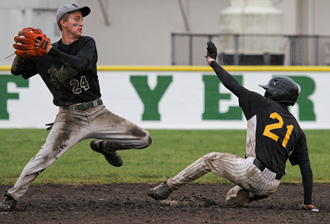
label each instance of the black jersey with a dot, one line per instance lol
(273, 135)
(69, 71)
(274, 129)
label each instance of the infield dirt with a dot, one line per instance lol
(129, 203)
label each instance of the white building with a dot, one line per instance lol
(138, 32)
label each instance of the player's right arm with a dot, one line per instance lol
(227, 80)
(83, 60)
(78, 63)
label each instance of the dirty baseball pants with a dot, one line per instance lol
(71, 127)
(238, 170)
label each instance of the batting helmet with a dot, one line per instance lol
(282, 89)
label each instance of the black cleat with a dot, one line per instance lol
(160, 192)
(8, 204)
(110, 155)
(314, 209)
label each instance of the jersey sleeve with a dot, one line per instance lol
(300, 157)
(84, 59)
(89, 52)
(227, 80)
(307, 176)
(251, 103)
(300, 153)
(23, 66)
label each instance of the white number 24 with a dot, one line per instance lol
(78, 86)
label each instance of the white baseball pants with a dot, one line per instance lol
(71, 127)
(236, 169)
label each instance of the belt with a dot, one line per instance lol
(262, 167)
(83, 106)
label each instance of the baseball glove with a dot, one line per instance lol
(27, 43)
(211, 50)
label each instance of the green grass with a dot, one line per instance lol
(170, 152)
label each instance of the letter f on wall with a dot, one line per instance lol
(150, 98)
(4, 95)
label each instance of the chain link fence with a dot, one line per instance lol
(233, 49)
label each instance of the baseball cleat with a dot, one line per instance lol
(314, 209)
(160, 192)
(110, 155)
(8, 204)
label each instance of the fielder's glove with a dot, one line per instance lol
(27, 43)
(211, 50)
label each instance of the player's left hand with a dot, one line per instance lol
(31, 43)
(311, 208)
(211, 50)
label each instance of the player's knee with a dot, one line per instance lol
(237, 197)
(211, 156)
(146, 140)
(143, 137)
(149, 140)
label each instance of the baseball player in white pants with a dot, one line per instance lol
(273, 137)
(235, 169)
(69, 70)
(71, 127)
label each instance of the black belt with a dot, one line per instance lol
(262, 167)
(83, 106)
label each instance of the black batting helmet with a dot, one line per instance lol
(282, 89)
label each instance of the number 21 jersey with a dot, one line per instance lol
(273, 133)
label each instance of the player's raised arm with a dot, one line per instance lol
(228, 80)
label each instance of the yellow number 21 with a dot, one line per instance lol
(270, 127)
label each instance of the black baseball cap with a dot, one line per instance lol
(70, 8)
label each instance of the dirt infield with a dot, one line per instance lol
(129, 203)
